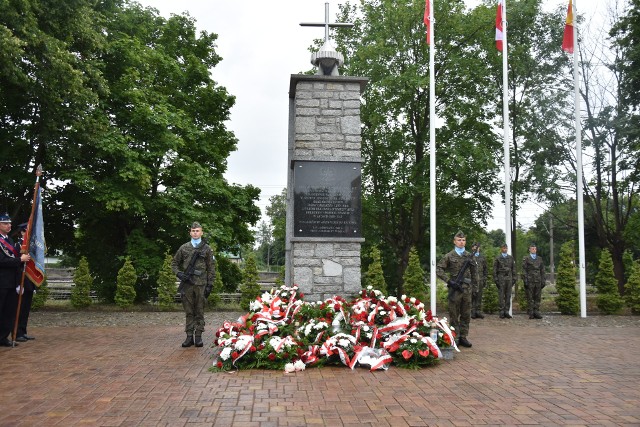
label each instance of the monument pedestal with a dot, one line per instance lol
(324, 210)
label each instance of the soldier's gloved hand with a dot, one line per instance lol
(181, 276)
(207, 290)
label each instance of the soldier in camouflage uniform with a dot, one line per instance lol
(476, 296)
(196, 282)
(533, 276)
(459, 302)
(504, 274)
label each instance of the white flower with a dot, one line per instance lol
(255, 306)
(344, 342)
(403, 297)
(369, 287)
(392, 299)
(225, 353)
(366, 328)
(299, 365)
(289, 367)
(412, 300)
(413, 340)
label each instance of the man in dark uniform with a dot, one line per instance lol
(27, 296)
(10, 262)
(533, 276)
(194, 266)
(476, 296)
(504, 274)
(448, 270)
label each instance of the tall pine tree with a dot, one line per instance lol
(567, 299)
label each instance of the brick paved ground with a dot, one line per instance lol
(515, 374)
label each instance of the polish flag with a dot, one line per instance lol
(499, 29)
(567, 41)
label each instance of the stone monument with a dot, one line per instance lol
(324, 209)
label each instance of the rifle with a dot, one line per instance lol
(186, 277)
(455, 285)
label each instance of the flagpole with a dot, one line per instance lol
(579, 190)
(25, 250)
(505, 137)
(432, 158)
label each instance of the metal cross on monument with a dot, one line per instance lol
(327, 59)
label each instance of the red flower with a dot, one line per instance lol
(407, 354)
(252, 349)
(424, 353)
(336, 307)
(272, 357)
(219, 364)
(235, 355)
(301, 295)
(446, 339)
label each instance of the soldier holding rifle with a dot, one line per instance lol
(459, 270)
(194, 266)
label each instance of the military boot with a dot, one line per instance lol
(198, 341)
(188, 342)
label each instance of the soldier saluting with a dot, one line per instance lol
(459, 270)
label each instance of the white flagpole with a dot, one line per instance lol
(579, 190)
(432, 158)
(505, 138)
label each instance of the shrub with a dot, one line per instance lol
(125, 285)
(413, 278)
(82, 279)
(374, 276)
(40, 296)
(250, 288)
(490, 302)
(632, 288)
(166, 285)
(567, 299)
(214, 296)
(608, 300)
(521, 296)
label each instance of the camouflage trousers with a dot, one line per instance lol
(193, 303)
(534, 294)
(476, 299)
(460, 311)
(504, 295)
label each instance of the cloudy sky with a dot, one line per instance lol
(262, 44)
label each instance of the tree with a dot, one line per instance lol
(125, 285)
(229, 272)
(490, 301)
(250, 288)
(166, 284)
(90, 85)
(214, 297)
(609, 300)
(264, 237)
(374, 276)
(277, 213)
(40, 296)
(567, 299)
(82, 280)
(626, 34)
(414, 284)
(632, 288)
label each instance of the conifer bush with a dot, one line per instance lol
(214, 297)
(567, 298)
(125, 285)
(374, 276)
(521, 296)
(82, 279)
(250, 288)
(490, 303)
(166, 284)
(40, 296)
(608, 299)
(632, 288)
(413, 278)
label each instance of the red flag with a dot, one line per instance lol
(427, 20)
(499, 29)
(567, 41)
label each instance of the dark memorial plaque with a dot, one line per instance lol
(327, 199)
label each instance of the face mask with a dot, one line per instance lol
(533, 256)
(195, 242)
(459, 251)
(504, 255)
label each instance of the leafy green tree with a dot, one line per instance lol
(87, 85)
(627, 35)
(374, 276)
(608, 300)
(82, 279)
(277, 213)
(250, 288)
(414, 284)
(567, 299)
(632, 288)
(125, 285)
(166, 284)
(627, 261)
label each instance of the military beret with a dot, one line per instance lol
(532, 245)
(460, 234)
(504, 245)
(195, 224)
